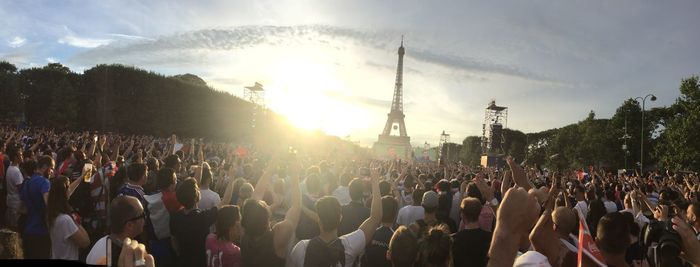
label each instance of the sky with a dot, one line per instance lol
(331, 65)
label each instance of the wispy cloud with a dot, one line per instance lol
(83, 42)
(473, 64)
(178, 46)
(16, 42)
(130, 37)
(72, 39)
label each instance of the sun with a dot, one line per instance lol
(308, 92)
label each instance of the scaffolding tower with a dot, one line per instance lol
(255, 95)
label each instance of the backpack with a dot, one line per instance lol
(320, 254)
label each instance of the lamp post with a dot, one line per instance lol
(641, 147)
(625, 137)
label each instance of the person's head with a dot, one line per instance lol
(329, 215)
(237, 185)
(693, 214)
(10, 245)
(173, 162)
(580, 192)
(153, 164)
(58, 199)
(409, 183)
(256, 218)
(473, 191)
(137, 173)
(313, 184)
(356, 189)
(345, 179)
(596, 210)
(613, 234)
(417, 196)
(430, 202)
(403, 248)
(15, 154)
(188, 193)
(435, 249)
(390, 208)
(127, 216)
(228, 223)
(245, 192)
(591, 194)
(564, 220)
(610, 195)
(166, 179)
(471, 208)
(384, 188)
(45, 166)
(206, 176)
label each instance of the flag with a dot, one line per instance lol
(586, 244)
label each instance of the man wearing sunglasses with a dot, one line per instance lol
(127, 219)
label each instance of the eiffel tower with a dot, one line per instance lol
(390, 146)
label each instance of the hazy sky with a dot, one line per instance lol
(331, 64)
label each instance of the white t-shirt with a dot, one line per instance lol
(61, 246)
(98, 253)
(410, 214)
(209, 199)
(354, 244)
(342, 193)
(610, 206)
(14, 180)
(583, 207)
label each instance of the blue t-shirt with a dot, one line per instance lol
(32, 195)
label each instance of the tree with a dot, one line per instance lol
(471, 151)
(679, 147)
(10, 101)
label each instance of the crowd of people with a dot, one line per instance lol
(149, 201)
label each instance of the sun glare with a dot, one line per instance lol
(306, 90)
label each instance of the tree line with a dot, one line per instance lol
(671, 138)
(128, 100)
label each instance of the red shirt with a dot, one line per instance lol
(221, 253)
(170, 201)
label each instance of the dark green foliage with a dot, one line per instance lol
(124, 99)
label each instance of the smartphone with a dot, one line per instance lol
(87, 173)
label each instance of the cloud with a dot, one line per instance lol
(472, 64)
(16, 42)
(189, 46)
(130, 37)
(51, 60)
(83, 42)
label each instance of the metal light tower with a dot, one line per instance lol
(641, 148)
(443, 151)
(255, 95)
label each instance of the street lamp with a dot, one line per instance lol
(641, 149)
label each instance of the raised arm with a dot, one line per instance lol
(519, 175)
(516, 215)
(264, 182)
(370, 225)
(505, 185)
(284, 230)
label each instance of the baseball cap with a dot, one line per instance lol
(430, 199)
(532, 259)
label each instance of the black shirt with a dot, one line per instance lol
(307, 228)
(471, 247)
(354, 214)
(259, 251)
(190, 232)
(375, 252)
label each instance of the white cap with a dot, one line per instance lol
(532, 259)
